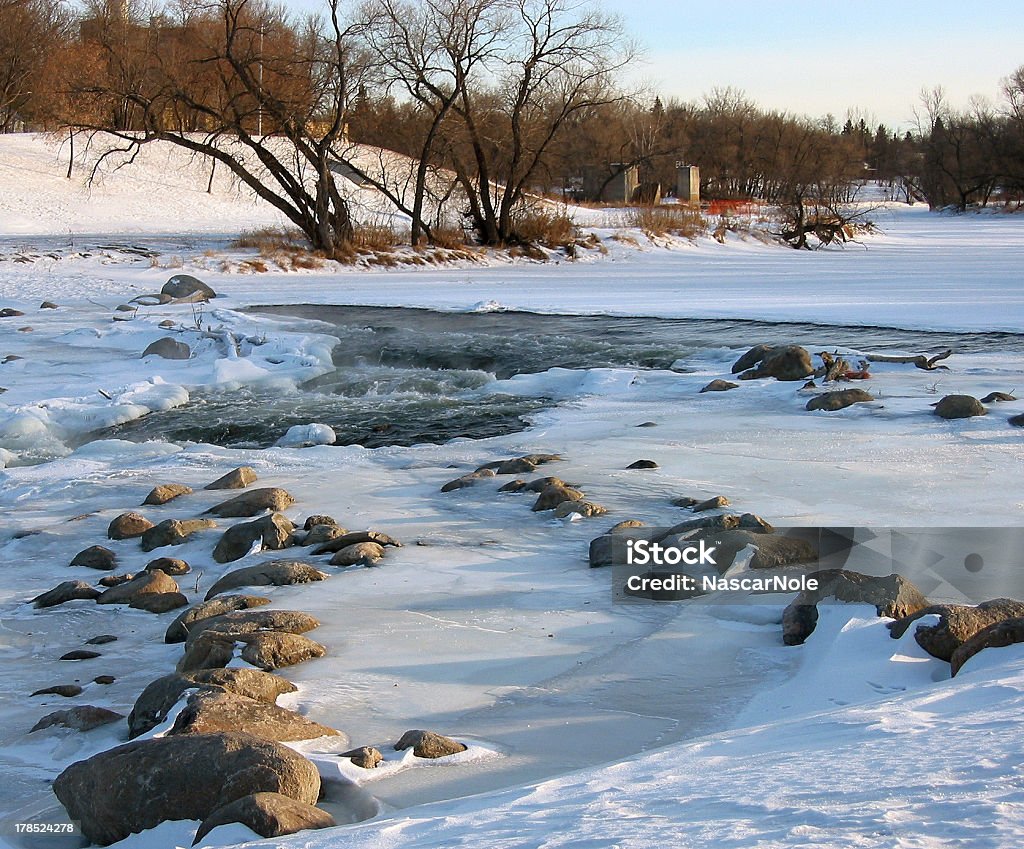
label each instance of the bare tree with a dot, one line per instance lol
(30, 30)
(239, 82)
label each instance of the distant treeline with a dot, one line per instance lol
(509, 97)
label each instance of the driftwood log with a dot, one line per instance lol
(922, 361)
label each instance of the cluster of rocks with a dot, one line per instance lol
(220, 758)
(553, 494)
(793, 362)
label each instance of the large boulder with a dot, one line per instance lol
(276, 573)
(186, 287)
(998, 635)
(957, 624)
(893, 596)
(145, 583)
(237, 622)
(173, 532)
(783, 362)
(838, 400)
(253, 502)
(322, 534)
(272, 532)
(168, 348)
(268, 814)
(159, 696)
(238, 478)
(66, 591)
(137, 786)
(179, 629)
(960, 407)
(208, 651)
(165, 492)
(128, 526)
(751, 358)
(96, 557)
(210, 711)
(470, 479)
(427, 744)
(81, 718)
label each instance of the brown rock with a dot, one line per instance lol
(137, 786)
(839, 400)
(168, 348)
(209, 711)
(541, 484)
(96, 557)
(959, 407)
(253, 502)
(115, 580)
(238, 478)
(716, 503)
(272, 532)
(169, 566)
(322, 534)
(361, 554)
(81, 718)
(314, 520)
(66, 690)
(179, 629)
(158, 602)
(356, 537)
(66, 591)
(998, 635)
(751, 358)
(268, 814)
(128, 526)
(270, 650)
(80, 654)
(642, 464)
(235, 622)
(427, 744)
(173, 532)
(784, 362)
(719, 385)
(159, 696)
(276, 573)
(145, 583)
(366, 757)
(893, 596)
(586, 509)
(554, 495)
(518, 466)
(167, 492)
(994, 397)
(513, 486)
(104, 679)
(102, 639)
(468, 480)
(957, 624)
(208, 651)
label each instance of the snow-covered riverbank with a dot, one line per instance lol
(493, 628)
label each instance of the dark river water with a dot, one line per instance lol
(408, 376)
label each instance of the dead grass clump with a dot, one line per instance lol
(543, 227)
(269, 239)
(446, 236)
(375, 236)
(667, 219)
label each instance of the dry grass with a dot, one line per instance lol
(667, 220)
(446, 236)
(542, 227)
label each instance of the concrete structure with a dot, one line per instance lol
(688, 183)
(618, 189)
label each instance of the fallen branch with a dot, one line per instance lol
(922, 361)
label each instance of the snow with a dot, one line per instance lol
(590, 723)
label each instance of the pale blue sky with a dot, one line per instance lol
(825, 56)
